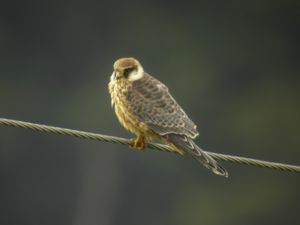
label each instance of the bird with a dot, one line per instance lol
(145, 107)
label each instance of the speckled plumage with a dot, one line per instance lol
(145, 107)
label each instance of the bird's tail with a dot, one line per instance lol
(188, 146)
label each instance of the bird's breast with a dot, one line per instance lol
(119, 92)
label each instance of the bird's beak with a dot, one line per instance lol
(116, 75)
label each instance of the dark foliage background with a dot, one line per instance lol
(232, 65)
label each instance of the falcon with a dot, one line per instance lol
(145, 107)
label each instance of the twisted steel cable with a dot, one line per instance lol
(123, 141)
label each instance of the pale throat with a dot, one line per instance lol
(112, 77)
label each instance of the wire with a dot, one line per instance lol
(123, 141)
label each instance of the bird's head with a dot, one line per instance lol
(127, 68)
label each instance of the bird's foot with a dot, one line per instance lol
(138, 143)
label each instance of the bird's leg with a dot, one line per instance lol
(139, 142)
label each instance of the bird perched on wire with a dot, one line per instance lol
(145, 107)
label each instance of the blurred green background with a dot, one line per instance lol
(232, 65)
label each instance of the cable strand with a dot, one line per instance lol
(123, 141)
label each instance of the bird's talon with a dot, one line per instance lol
(138, 143)
(131, 143)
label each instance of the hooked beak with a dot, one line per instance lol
(116, 75)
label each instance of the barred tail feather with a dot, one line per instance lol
(188, 146)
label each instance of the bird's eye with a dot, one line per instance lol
(127, 71)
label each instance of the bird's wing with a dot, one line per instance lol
(152, 103)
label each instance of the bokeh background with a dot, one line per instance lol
(233, 66)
